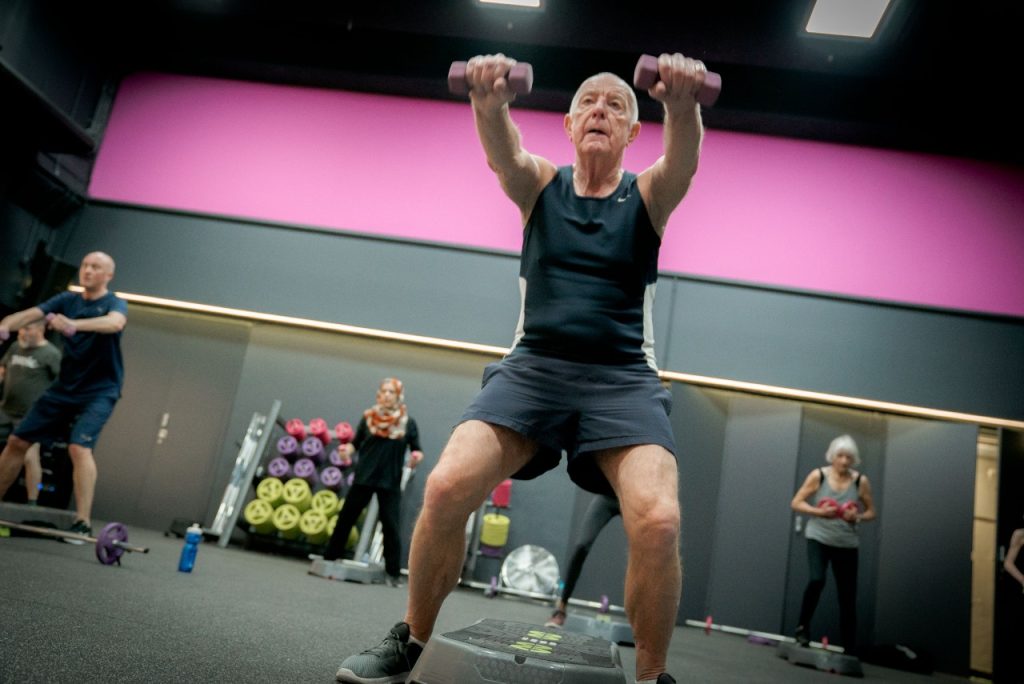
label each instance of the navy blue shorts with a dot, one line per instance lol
(574, 407)
(49, 419)
(7, 425)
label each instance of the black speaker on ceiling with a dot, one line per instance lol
(53, 187)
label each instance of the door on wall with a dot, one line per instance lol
(1008, 663)
(156, 457)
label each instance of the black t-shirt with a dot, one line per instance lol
(379, 459)
(92, 365)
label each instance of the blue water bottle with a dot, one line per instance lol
(193, 535)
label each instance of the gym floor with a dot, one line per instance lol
(257, 617)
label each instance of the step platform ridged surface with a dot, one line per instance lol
(819, 658)
(616, 631)
(347, 570)
(517, 653)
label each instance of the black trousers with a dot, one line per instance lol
(599, 512)
(844, 569)
(389, 505)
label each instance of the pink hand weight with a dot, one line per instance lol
(646, 75)
(520, 78)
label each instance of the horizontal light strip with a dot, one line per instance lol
(531, 4)
(309, 323)
(841, 400)
(687, 378)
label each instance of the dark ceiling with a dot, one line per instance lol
(939, 77)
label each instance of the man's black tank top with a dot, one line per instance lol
(587, 275)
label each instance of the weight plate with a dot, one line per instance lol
(107, 551)
(530, 568)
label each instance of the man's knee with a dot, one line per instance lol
(79, 453)
(659, 522)
(17, 446)
(450, 489)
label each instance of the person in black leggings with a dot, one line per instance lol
(835, 498)
(600, 511)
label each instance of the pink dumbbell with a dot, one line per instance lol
(5, 334)
(318, 428)
(66, 332)
(296, 428)
(343, 432)
(646, 75)
(520, 78)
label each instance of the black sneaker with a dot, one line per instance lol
(801, 637)
(387, 663)
(80, 527)
(665, 678)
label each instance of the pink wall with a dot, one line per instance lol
(854, 221)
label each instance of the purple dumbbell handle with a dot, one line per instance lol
(646, 75)
(520, 78)
(5, 334)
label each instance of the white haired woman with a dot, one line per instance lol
(836, 498)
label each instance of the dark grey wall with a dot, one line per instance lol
(698, 421)
(367, 282)
(762, 439)
(924, 582)
(929, 358)
(958, 362)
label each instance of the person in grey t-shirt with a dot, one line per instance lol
(835, 499)
(29, 366)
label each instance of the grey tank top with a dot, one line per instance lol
(834, 531)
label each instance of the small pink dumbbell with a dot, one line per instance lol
(646, 75)
(66, 332)
(520, 78)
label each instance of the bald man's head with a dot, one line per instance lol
(95, 272)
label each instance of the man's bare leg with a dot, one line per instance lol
(33, 473)
(84, 477)
(477, 458)
(645, 478)
(12, 460)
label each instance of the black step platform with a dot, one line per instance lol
(819, 658)
(517, 653)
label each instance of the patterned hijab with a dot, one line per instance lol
(388, 422)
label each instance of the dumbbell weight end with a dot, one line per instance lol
(519, 77)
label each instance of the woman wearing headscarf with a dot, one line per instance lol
(384, 434)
